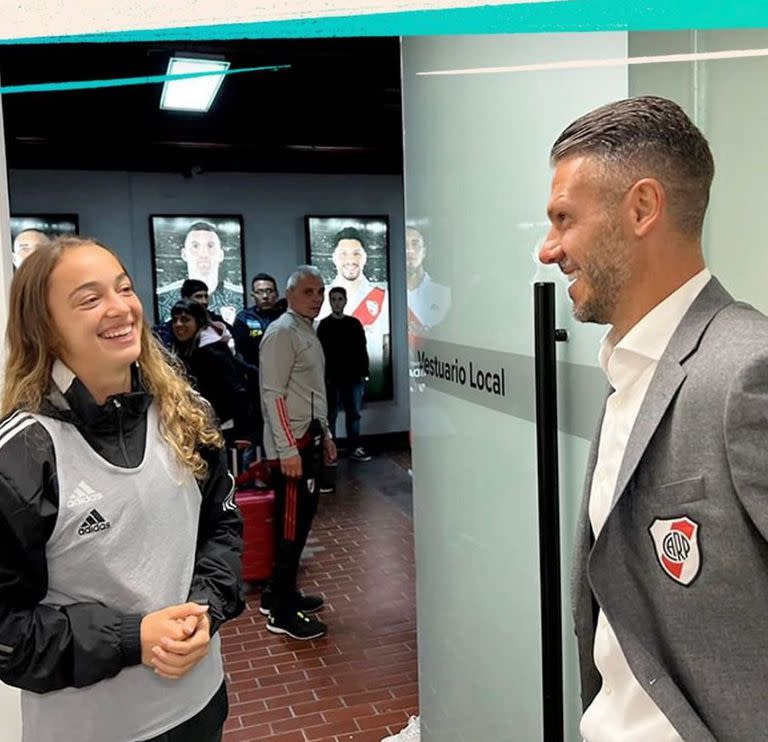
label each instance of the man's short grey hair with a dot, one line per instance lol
(646, 137)
(302, 272)
(33, 229)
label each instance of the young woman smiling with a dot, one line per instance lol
(120, 539)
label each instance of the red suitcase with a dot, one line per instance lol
(257, 508)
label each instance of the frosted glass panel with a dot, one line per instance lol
(477, 180)
(725, 98)
(735, 110)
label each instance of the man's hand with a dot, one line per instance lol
(291, 466)
(177, 622)
(329, 451)
(173, 658)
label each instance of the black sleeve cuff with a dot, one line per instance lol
(130, 639)
(215, 623)
(215, 612)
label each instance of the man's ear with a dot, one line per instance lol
(645, 204)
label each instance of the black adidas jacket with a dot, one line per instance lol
(43, 648)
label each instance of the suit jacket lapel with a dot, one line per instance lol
(583, 537)
(666, 381)
(669, 375)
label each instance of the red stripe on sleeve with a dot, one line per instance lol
(282, 413)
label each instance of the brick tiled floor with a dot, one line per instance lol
(359, 683)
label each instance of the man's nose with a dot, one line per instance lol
(551, 251)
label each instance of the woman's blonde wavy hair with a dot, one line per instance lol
(186, 419)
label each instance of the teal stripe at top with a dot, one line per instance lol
(118, 81)
(561, 15)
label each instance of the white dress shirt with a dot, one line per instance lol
(622, 711)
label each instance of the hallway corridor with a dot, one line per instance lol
(359, 683)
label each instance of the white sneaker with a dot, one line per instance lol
(411, 733)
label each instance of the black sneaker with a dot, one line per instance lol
(306, 603)
(360, 454)
(297, 626)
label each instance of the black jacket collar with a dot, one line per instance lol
(70, 401)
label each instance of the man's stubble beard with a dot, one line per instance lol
(607, 272)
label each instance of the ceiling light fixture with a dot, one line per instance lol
(195, 93)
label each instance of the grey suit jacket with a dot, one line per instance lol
(697, 455)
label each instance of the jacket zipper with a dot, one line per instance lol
(121, 434)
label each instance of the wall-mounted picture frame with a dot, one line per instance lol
(29, 231)
(206, 247)
(353, 252)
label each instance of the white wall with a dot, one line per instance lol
(10, 708)
(115, 208)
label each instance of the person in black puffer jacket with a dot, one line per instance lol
(202, 345)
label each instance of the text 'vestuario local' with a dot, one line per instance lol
(471, 375)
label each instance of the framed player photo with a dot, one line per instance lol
(29, 231)
(353, 252)
(204, 247)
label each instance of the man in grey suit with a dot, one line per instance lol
(670, 581)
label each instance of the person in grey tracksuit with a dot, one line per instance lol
(297, 441)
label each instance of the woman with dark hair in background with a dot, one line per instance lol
(202, 345)
(121, 541)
